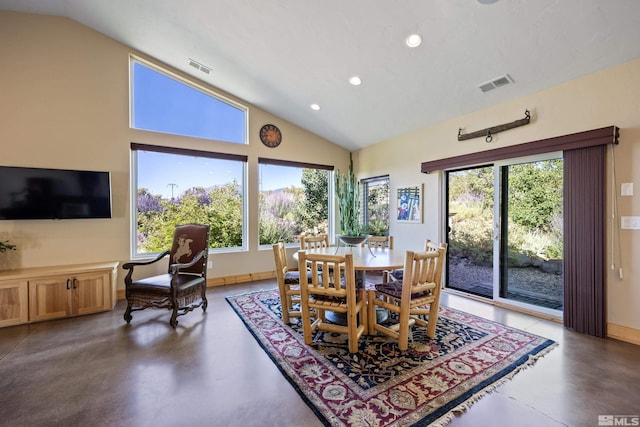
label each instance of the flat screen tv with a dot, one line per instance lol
(36, 193)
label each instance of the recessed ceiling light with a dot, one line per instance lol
(487, 1)
(414, 40)
(355, 80)
(314, 107)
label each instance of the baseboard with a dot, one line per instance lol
(623, 333)
(222, 281)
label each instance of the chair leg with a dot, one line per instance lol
(205, 303)
(284, 305)
(371, 312)
(307, 331)
(403, 333)
(433, 320)
(174, 317)
(127, 313)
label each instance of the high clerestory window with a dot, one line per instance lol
(163, 102)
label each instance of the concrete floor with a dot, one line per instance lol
(96, 370)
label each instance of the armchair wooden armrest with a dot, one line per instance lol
(130, 265)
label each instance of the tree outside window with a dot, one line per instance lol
(294, 200)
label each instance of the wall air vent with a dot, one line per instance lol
(496, 83)
(199, 66)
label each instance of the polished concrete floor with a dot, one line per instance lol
(96, 370)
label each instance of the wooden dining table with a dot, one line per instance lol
(364, 259)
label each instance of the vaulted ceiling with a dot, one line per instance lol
(284, 55)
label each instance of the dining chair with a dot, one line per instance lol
(288, 283)
(332, 289)
(183, 288)
(412, 300)
(379, 242)
(314, 242)
(397, 274)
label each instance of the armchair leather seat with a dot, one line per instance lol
(162, 284)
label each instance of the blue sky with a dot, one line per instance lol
(157, 171)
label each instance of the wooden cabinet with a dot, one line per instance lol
(55, 292)
(14, 308)
(63, 296)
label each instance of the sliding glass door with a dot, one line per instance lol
(505, 232)
(470, 213)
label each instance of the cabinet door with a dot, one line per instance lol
(92, 292)
(50, 298)
(14, 305)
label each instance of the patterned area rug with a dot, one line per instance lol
(382, 386)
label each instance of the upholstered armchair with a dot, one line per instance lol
(183, 288)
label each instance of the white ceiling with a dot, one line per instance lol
(283, 55)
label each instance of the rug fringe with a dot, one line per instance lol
(463, 407)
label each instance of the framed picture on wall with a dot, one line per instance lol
(409, 204)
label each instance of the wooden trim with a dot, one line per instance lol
(602, 136)
(278, 162)
(188, 152)
(623, 333)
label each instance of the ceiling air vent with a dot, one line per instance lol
(199, 66)
(496, 83)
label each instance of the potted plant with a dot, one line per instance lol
(6, 246)
(348, 195)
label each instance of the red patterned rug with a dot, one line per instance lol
(382, 386)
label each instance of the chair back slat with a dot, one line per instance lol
(423, 271)
(280, 257)
(380, 242)
(314, 242)
(331, 279)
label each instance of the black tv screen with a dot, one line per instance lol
(36, 193)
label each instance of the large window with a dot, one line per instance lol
(375, 197)
(173, 186)
(162, 102)
(294, 199)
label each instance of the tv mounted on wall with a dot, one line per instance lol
(37, 193)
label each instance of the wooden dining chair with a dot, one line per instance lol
(314, 242)
(288, 283)
(398, 274)
(379, 242)
(333, 289)
(412, 300)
